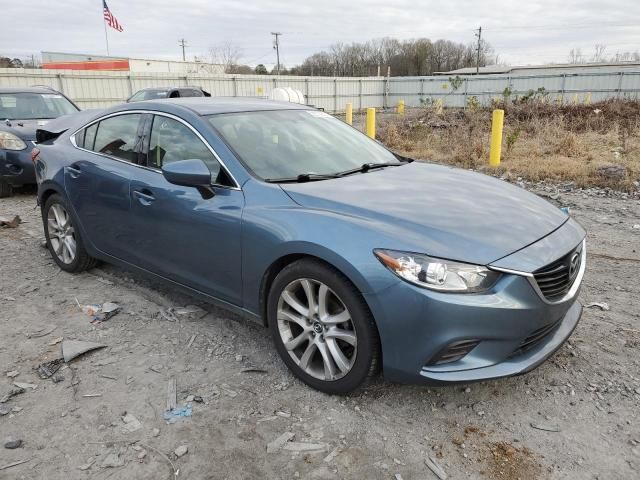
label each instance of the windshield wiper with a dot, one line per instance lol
(303, 177)
(312, 177)
(366, 167)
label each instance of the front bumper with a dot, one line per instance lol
(416, 325)
(16, 167)
(516, 364)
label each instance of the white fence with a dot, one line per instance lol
(103, 89)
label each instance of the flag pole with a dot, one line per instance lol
(106, 37)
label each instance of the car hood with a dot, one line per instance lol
(23, 129)
(442, 211)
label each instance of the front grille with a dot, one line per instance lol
(534, 338)
(454, 352)
(556, 279)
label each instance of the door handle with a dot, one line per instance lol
(144, 197)
(74, 171)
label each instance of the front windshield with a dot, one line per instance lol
(287, 143)
(34, 106)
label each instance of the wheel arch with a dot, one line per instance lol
(46, 190)
(283, 261)
(49, 188)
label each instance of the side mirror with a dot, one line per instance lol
(190, 173)
(187, 173)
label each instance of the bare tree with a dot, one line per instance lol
(575, 56)
(411, 57)
(598, 55)
(626, 57)
(227, 54)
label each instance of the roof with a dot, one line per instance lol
(472, 70)
(168, 88)
(496, 69)
(48, 55)
(214, 105)
(28, 90)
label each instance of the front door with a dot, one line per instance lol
(179, 234)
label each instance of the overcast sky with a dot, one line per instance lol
(522, 32)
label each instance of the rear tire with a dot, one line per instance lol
(5, 190)
(63, 237)
(330, 342)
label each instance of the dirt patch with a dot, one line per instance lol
(507, 462)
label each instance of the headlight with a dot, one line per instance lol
(9, 141)
(437, 274)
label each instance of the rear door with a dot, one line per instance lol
(98, 183)
(179, 234)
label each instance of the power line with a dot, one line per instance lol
(276, 45)
(258, 58)
(183, 44)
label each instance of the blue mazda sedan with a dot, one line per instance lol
(354, 258)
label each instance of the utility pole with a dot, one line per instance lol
(276, 46)
(479, 35)
(183, 44)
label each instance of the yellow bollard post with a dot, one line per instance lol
(439, 107)
(587, 98)
(400, 107)
(371, 122)
(497, 123)
(348, 116)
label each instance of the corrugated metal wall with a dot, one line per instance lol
(103, 89)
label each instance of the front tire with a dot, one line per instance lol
(63, 237)
(322, 327)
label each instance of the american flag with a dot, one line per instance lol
(109, 18)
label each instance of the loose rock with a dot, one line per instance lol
(12, 443)
(181, 451)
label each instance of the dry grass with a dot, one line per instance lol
(541, 141)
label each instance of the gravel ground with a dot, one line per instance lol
(577, 416)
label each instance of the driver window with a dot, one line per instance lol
(172, 141)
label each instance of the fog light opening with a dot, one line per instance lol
(454, 351)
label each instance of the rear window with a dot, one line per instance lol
(118, 136)
(85, 138)
(148, 95)
(34, 106)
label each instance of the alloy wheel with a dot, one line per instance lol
(62, 235)
(316, 329)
